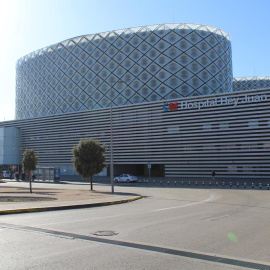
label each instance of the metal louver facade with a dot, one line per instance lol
(230, 135)
(159, 62)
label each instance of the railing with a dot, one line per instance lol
(203, 184)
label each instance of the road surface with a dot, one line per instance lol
(170, 228)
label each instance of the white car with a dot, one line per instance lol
(125, 178)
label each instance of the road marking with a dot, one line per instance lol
(209, 219)
(122, 215)
(185, 205)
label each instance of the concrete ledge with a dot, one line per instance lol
(66, 207)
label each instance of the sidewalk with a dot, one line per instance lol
(16, 198)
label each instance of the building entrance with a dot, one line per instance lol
(156, 170)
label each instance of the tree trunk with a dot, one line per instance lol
(30, 183)
(91, 181)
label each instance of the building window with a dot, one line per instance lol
(172, 129)
(267, 145)
(253, 124)
(207, 127)
(224, 125)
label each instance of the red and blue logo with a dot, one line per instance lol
(172, 106)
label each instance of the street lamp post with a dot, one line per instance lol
(111, 167)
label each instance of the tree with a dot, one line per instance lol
(89, 158)
(30, 160)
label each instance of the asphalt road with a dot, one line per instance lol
(170, 228)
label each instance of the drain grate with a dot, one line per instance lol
(105, 233)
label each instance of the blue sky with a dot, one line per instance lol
(28, 25)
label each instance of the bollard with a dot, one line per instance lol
(196, 183)
(230, 184)
(168, 182)
(154, 181)
(161, 182)
(268, 186)
(146, 181)
(245, 185)
(210, 183)
(260, 185)
(175, 183)
(223, 184)
(252, 185)
(189, 183)
(203, 183)
(182, 183)
(237, 184)
(216, 184)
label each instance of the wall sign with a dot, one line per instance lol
(207, 103)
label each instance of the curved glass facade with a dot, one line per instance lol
(159, 62)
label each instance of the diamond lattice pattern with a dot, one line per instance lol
(156, 63)
(249, 83)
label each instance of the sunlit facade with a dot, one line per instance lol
(249, 83)
(175, 104)
(158, 62)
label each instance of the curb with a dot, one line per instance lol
(66, 207)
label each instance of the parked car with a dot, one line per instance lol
(125, 178)
(6, 174)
